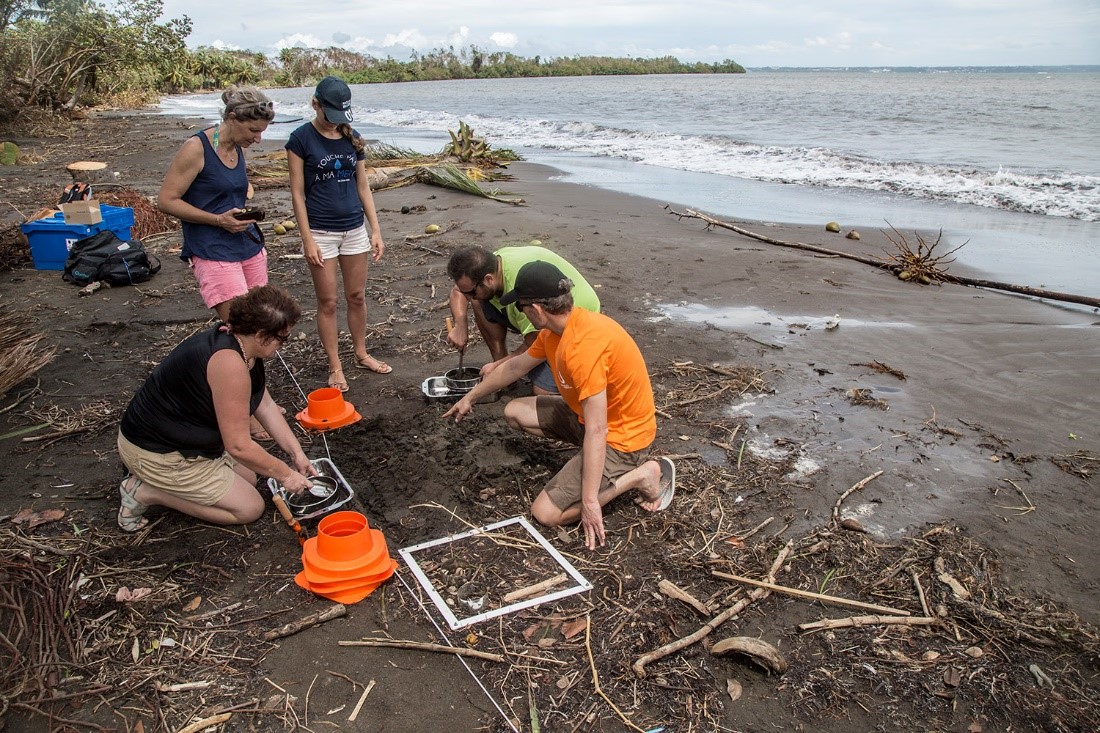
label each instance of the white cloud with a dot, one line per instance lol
(504, 40)
(410, 37)
(300, 40)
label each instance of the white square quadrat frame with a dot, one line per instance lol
(581, 583)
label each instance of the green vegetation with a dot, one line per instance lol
(302, 66)
(58, 54)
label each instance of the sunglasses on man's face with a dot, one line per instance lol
(472, 291)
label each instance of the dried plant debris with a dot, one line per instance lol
(1083, 464)
(688, 389)
(864, 397)
(878, 366)
(148, 219)
(21, 350)
(86, 619)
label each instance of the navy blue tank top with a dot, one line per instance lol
(174, 409)
(217, 188)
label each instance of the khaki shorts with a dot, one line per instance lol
(202, 481)
(557, 420)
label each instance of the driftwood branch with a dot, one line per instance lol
(205, 723)
(359, 705)
(891, 267)
(855, 487)
(755, 595)
(313, 619)
(534, 590)
(425, 647)
(672, 590)
(809, 595)
(853, 621)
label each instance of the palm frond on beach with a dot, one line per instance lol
(448, 175)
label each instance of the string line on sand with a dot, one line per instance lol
(461, 660)
(305, 399)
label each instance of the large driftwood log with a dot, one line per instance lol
(890, 266)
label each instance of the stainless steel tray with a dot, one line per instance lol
(305, 506)
(437, 388)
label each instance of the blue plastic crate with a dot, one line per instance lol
(51, 239)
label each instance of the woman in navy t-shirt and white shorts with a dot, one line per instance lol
(334, 208)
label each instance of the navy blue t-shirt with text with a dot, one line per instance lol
(332, 199)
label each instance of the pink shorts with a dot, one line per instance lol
(221, 281)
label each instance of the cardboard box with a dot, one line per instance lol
(51, 239)
(82, 212)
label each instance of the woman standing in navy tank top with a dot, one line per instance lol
(205, 186)
(334, 208)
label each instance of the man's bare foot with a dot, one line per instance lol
(660, 485)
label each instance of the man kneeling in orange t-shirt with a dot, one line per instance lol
(605, 405)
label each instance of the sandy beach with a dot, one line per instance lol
(974, 410)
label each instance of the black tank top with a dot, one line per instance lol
(174, 409)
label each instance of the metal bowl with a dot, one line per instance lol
(462, 380)
(321, 488)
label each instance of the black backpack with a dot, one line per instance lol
(103, 256)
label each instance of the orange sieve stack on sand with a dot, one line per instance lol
(347, 559)
(326, 409)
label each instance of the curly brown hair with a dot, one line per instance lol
(267, 311)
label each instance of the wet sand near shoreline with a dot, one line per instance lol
(978, 407)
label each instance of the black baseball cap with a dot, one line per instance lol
(334, 95)
(536, 280)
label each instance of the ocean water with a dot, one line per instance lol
(1005, 160)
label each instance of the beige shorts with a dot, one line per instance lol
(557, 420)
(202, 481)
(336, 244)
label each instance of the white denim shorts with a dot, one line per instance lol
(335, 244)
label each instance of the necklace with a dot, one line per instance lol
(248, 361)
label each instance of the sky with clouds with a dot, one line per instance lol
(751, 32)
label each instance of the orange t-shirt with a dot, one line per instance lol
(593, 354)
